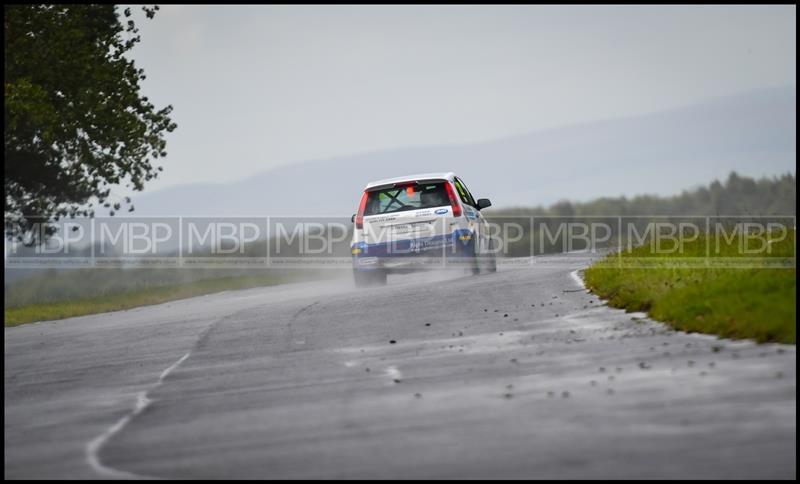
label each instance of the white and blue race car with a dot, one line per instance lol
(419, 222)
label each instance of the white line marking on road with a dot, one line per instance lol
(95, 445)
(393, 373)
(575, 277)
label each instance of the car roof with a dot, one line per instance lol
(420, 176)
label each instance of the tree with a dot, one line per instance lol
(75, 121)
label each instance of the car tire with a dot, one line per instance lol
(362, 279)
(380, 277)
(369, 278)
(475, 262)
(493, 265)
(490, 259)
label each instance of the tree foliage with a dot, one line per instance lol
(75, 121)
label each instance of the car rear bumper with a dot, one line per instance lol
(451, 250)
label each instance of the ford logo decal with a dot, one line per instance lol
(441, 211)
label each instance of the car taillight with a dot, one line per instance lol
(453, 199)
(361, 208)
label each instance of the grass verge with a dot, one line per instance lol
(143, 296)
(756, 301)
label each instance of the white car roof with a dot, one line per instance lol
(420, 176)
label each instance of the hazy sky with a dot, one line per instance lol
(256, 87)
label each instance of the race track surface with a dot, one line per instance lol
(518, 374)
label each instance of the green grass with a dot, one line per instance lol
(756, 302)
(129, 299)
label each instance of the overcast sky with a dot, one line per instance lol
(256, 87)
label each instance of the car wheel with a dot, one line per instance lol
(362, 279)
(490, 259)
(493, 264)
(369, 278)
(380, 277)
(474, 267)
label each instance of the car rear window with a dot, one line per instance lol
(408, 197)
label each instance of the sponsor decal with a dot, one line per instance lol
(418, 245)
(411, 227)
(441, 211)
(380, 219)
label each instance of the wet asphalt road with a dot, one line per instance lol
(518, 374)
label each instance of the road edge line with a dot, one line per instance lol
(95, 445)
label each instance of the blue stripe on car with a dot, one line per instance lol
(412, 247)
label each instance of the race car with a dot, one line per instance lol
(418, 222)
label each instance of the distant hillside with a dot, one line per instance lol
(735, 196)
(661, 153)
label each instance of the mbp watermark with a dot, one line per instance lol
(325, 242)
(230, 242)
(66, 243)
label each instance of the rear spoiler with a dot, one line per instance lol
(404, 183)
